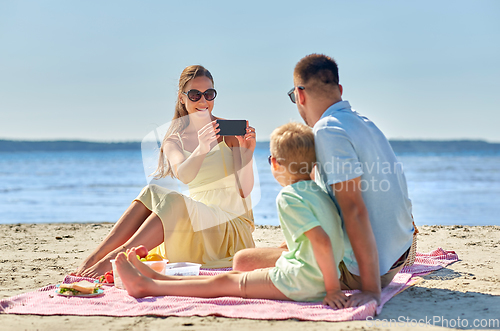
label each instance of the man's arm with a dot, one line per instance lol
(359, 231)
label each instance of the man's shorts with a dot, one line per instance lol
(349, 281)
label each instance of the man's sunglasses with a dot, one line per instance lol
(292, 95)
(195, 95)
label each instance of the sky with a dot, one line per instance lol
(108, 70)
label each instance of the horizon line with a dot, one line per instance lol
(258, 141)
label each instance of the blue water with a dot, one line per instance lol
(79, 186)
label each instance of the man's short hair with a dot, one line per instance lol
(322, 69)
(292, 145)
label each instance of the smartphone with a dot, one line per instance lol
(232, 127)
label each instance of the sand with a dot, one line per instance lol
(468, 291)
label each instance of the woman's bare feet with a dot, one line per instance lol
(123, 231)
(94, 269)
(85, 265)
(137, 284)
(98, 269)
(102, 266)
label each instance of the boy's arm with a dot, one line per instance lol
(322, 248)
(359, 231)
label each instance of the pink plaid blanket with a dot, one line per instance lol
(116, 302)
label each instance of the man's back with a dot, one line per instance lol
(349, 146)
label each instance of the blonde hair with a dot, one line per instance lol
(292, 145)
(180, 120)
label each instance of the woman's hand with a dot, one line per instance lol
(335, 299)
(207, 135)
(186, 169)
(247, 143)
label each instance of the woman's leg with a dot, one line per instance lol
(123, 230)
(149, 234)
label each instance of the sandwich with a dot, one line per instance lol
(81, 287)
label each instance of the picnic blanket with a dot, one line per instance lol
(116, 302)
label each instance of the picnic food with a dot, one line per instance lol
(151, 257)
(154, 257)
(141, 251)
(81, 287)
(107, 278)
(154, 261)
(157, 266)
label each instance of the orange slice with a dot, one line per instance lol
(154, 257)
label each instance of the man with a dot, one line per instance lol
(358, 168)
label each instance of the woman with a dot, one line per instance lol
(215, 221)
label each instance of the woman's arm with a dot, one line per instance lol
(186, 169)
(243, 159)
(323, 252)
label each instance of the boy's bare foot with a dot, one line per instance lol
(136, 283)
(141, 267)
(145, 269)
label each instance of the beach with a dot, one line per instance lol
(36, 255)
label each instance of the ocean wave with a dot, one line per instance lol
(69, 187)
(116, 185)
(11, 189)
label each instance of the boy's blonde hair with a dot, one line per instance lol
(292, 145)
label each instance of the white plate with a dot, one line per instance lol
(70, 294)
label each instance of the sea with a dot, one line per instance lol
(449, 182)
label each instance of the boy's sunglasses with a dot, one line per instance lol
(195, 95)
(292, 95)
(269, 159)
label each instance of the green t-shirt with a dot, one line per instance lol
(301, 207)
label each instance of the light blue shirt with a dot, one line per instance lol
(349, 145)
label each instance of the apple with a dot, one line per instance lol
(141, 251)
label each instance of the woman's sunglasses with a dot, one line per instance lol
(195, 95)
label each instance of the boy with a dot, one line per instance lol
(307, 272)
